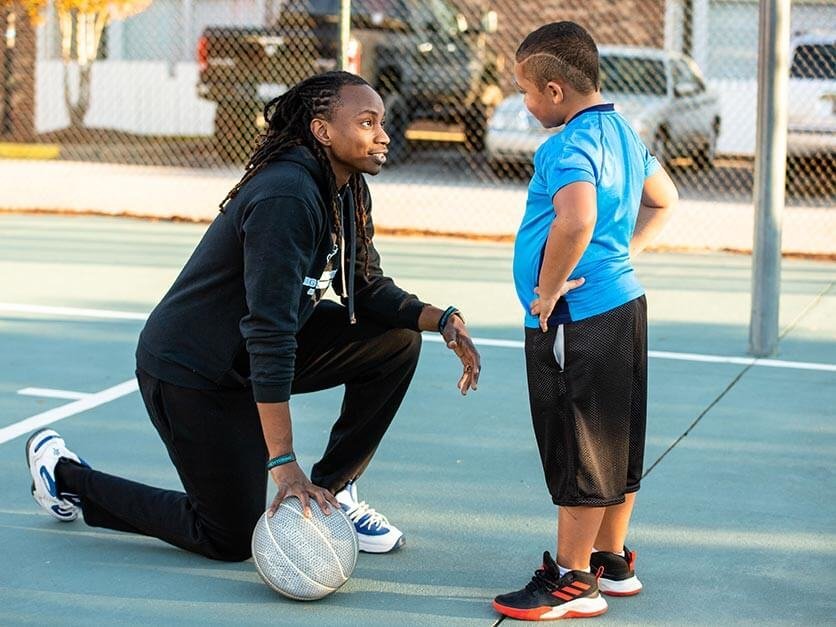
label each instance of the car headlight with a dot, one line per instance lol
(513, 120)
(641, 126)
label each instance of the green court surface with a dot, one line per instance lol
(735, 524)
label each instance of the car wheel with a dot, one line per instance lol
(475, 125)
(704, 157)
(510, 169)
(397, 121)
(661, 148)
(235, 132)
(811, 176)
(497, 167)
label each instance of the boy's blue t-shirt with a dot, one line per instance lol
(597, 146)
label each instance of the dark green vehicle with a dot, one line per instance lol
(426, 60)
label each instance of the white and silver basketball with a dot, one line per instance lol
(304, 558)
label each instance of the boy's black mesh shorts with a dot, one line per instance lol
(590, 410)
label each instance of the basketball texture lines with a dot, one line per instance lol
(304, 558)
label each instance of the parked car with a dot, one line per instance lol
(661, 93)
(427, 61)
(811, 128)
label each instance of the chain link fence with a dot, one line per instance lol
(181, 83)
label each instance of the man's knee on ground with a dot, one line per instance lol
(230, 540)
(237, 550)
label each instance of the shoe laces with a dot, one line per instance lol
(542, 580)
(373, 518)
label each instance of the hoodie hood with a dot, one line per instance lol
(303, 156)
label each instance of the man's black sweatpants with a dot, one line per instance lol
(215, 440)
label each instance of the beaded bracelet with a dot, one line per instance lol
(281, 460)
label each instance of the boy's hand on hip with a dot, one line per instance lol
(458, 340)
(544, 305)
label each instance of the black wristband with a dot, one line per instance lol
(445, 317)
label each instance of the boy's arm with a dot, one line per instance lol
(659, 197)
(576, 211)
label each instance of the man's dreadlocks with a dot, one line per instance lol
(288, 120)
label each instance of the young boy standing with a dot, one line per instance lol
(596, 199)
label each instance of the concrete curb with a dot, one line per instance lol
(401, 205)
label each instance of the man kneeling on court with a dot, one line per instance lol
(243, 328)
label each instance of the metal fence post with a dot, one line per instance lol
(770, 173)
(345, 32)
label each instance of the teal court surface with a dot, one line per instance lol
(735, 522)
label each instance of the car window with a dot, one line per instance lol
(633, 75)
(313, 7)
(683, 74)
(441, 13)
(389, 8)
(817, 61)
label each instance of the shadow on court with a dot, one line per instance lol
(734, 524)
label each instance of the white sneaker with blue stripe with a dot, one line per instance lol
(44, 449)
(374, 531)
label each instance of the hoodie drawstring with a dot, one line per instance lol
(352, 232)
(348, 280)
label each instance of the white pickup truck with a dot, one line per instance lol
(811, 131)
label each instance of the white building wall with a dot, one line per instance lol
(143, 97)
(157, 96)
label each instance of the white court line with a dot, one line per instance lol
(50, 393)
(70, 311)
(717, 359)
(59, 413)
(745, 361)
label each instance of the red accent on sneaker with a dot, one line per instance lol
(599, 572)
(631, 560)
(562, 595)
(536, 612)
(533, 614)
(581, 586)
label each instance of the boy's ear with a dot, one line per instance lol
(555, 92)
(319, 129)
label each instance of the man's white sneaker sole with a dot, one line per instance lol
(43, 450)
(381, 544)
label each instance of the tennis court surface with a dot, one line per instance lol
(736, 523)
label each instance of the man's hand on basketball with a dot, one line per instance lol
(543, 306)
(458, 340)
(291, 481)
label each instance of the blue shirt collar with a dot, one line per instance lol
(606, 106)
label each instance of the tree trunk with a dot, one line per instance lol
(23, 79)
(78, 109)
(5, 78)
(17, 75)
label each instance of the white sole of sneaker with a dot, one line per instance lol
(623, 588)
(64, 513)
(380, 544)
(579, 608)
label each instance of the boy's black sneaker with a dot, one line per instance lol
(618, 577)
(548, 595)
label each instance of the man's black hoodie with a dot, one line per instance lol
(232, 316)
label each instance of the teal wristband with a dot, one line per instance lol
(281, 460)
(445, 317)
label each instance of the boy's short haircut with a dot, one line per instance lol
(561, 51)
